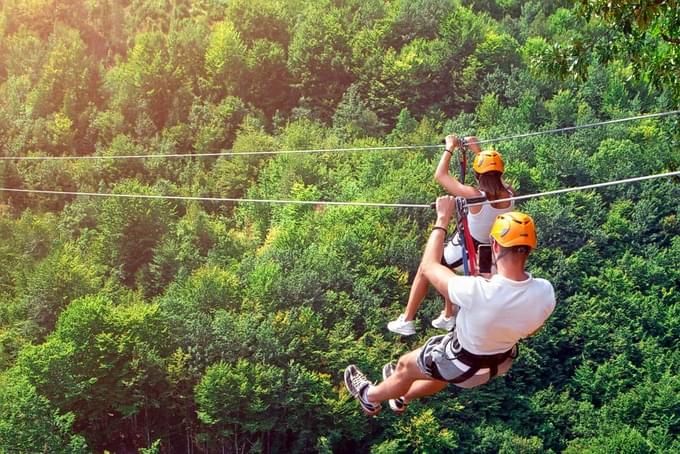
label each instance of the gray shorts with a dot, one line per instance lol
(437, 359)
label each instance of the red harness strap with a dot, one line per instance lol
(468, 245)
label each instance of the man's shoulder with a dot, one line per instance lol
(546, 292)
(542, 282)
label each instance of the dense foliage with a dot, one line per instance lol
(170, 326)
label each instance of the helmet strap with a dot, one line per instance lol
(504, 251)
(494, 257)
(508, 250)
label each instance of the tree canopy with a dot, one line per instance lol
(178, 326)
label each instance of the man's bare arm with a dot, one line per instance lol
(434, 271)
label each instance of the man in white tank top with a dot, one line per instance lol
(494, 315)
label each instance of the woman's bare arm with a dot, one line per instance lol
(449, 182)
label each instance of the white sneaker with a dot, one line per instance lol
(443, 322)
(401, 326)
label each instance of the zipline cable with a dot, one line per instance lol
(329, 150)
(217, 199)
(334, 203)
(579, 188)
(577, 127)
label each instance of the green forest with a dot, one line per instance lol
(177, 326)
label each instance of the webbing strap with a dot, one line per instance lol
(462, 159)
(464, 256)
(467, 244)
(460, 227)
(470, 246)
(476, 362)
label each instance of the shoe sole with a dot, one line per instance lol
(443, 325)
(347, 380)
(371, 413)
(402, 332)
(447, 328)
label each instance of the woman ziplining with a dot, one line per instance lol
(488, 168)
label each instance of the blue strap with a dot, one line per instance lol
(460, 214)
(466, 269)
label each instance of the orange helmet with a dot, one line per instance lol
(488, 161)
(514, 229)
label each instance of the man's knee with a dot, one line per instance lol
(406, 363)
(401, 365)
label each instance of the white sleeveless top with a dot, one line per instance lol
(480, 223)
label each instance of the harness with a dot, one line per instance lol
(477, 362)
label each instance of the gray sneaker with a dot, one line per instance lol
(396, 405)
(357, 384)
(402, 326)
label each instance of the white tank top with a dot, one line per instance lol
(480, 223)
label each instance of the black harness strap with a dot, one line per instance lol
(477, 362)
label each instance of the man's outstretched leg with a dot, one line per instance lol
(423, 388)
(419, 388)
(396, 385)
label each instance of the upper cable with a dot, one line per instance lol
(332, 150)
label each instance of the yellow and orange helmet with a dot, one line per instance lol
(514, 229)
(488, 161)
